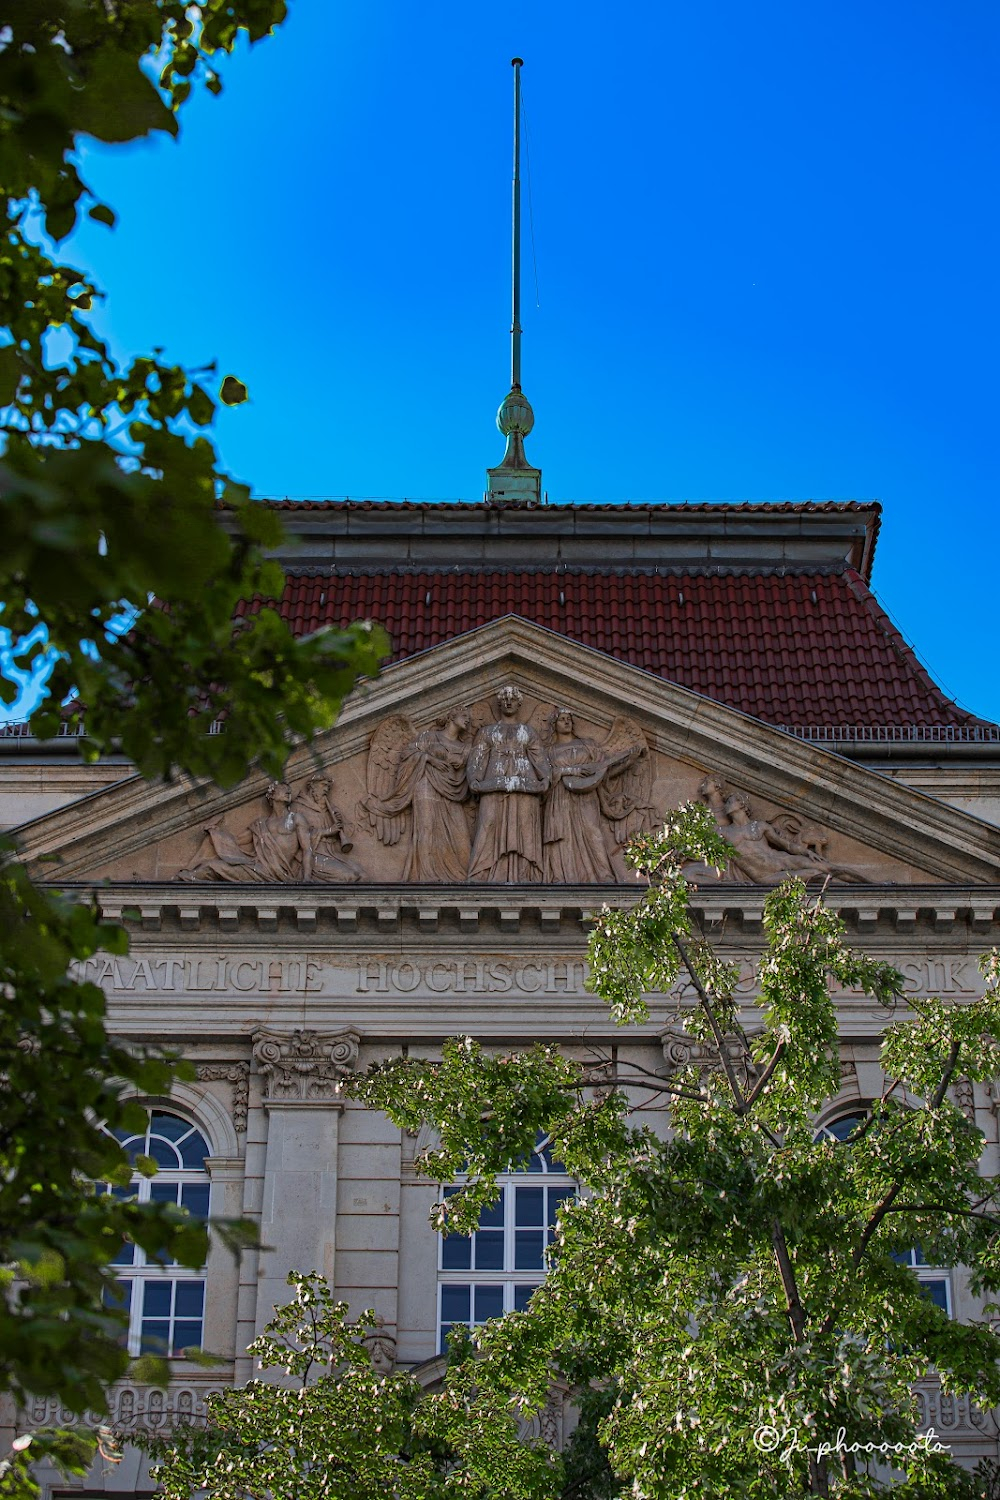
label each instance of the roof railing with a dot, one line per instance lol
(932, 734)
(836, 734)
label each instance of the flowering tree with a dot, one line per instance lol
(333, 1428)
(731, 1304)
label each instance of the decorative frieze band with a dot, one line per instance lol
(131, 1407)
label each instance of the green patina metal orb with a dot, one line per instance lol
(515, 414)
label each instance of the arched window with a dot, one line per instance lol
(935, 1281)
(495, 1270)
(165, 1302)
(840, 1128)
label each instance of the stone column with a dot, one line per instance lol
(302, 1073)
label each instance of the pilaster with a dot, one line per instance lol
(302, 1073)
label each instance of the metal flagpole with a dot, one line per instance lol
(515, 325)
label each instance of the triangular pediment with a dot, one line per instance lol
(415, 798)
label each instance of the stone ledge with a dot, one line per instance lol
(326, 913)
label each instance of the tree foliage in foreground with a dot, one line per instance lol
(728, 1303)
(108, 477)
(335, 1429)
(110, 496)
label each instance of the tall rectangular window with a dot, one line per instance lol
(495, 1269)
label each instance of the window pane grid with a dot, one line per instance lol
(506, 1256)
(165, 1303)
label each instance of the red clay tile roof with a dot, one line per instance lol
(796, 649)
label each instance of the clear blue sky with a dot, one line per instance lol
(767, 250)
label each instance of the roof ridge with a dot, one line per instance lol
(333, 569)
(345, 502)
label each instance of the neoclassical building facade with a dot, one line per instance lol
(560, 675)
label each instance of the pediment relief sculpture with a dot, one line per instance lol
(301, 837)
(596, 791)
(768, 850)
(510, 802)
(504, 790)
(418, 791)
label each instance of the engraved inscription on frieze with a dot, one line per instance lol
(421, 974)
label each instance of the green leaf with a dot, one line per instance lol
(150, 1369)
(84, 532)
(201, 407)
(118, 102)
(10, 374)
(232, 391)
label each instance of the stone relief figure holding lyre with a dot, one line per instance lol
(417, 789)
(587, 781)
(626, 792)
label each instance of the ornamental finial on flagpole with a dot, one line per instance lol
(514, 481)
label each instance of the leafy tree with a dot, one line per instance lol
(334, 1429)
(124, 540)
(729, 1303)
(108, 481)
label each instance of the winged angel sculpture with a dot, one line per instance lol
(612, 780)
(417, 786)
(586, 799)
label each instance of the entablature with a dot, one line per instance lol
(527, 911)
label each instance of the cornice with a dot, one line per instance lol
(259, 913)
(373, 532)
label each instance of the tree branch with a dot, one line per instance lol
(893, 1192)
(767, 1074)
(717, 1032)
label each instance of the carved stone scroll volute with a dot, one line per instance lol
(304, 1067)
(683, 1051)
(238, 1074)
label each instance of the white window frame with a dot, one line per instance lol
(142, 1271)
(926, 1274)
(507, 1276)
(912, 1258)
